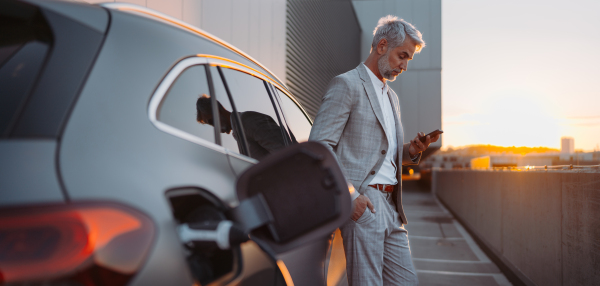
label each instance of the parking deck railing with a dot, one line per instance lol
(540, 222)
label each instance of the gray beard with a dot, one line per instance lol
(383, 64)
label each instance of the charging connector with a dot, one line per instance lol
(223, 234)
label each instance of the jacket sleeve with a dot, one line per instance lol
(264, 130)
(333, 114)
(406, 160)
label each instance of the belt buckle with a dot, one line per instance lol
(385, 188)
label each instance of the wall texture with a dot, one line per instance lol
(323, 41)
(543, 225)
(257, 27)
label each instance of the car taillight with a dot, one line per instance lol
(88, 243)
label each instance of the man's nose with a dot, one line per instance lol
(404, 66)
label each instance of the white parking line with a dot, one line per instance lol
(419, 211)
(500, 279)
(474, 247)
(412, 222)
(434, 237)
(456, 273)
(448, 261)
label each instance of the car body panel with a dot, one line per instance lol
(107, 113)
(74, 48)
(110, 149)
(305, 263)
(24, 182)
(239, 163)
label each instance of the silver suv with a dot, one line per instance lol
(123, 135)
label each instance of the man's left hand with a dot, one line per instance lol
(416, 146)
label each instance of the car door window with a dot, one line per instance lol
(287, 132)
(20, 64)
(297, 122)
(256, 113)
(225, 113)
(183, 104)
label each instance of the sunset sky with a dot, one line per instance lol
(522, 73)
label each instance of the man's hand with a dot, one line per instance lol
(360, 206)
(416, 146)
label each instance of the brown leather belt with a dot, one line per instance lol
(383, 188)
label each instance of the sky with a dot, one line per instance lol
(521, 73)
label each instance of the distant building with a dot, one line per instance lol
(458, 161)
(567, 145)
(577, 158)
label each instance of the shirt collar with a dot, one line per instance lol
(377, 83)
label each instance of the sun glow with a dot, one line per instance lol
(512, 121)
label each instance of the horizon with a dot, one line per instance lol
(520, 73)
(481, 149)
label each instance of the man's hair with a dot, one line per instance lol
(203, 106)
(395, 30)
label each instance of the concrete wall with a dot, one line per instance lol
(256, 27)
(420, 88)
(544, 225)
(323, 41)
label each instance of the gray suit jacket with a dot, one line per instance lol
(350, 124)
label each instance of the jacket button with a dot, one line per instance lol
(372, 172)
(382, 151)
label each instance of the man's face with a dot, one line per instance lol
(206, 118)
(395, 61)
(224, 120)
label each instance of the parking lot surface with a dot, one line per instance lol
(443, 251)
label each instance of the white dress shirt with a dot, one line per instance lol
(387, 173)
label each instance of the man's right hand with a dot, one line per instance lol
(360, 205)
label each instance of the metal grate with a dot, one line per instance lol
(323, 41)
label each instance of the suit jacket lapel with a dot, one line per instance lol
(399, 130)
(368, 85)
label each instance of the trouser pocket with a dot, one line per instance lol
(366, 216)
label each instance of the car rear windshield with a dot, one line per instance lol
(24, 44)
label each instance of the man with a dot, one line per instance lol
(263, 134)
(359, 121)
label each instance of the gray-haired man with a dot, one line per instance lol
(359, 120)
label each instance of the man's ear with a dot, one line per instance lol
(382, 46)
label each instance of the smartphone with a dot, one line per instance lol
(433, 133)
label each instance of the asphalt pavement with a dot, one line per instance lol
(443, 251)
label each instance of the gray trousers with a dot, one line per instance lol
(376, 246)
